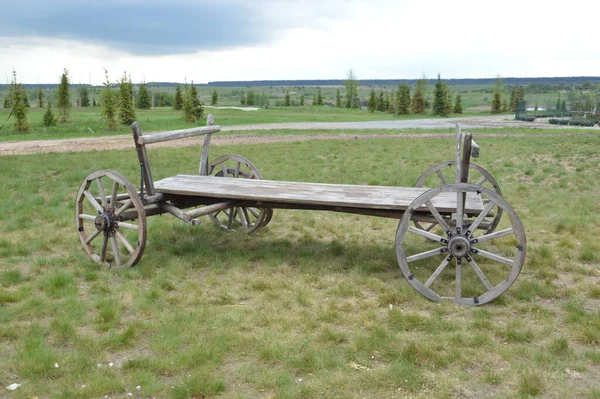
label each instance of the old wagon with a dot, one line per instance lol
(458, 239)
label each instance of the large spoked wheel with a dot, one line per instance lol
(246, 219)
(432, 261)
(110, 219)
(444, 173)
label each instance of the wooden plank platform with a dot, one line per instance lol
(316, 194)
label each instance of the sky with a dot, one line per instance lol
(229, 40)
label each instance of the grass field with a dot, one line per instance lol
(312, 306)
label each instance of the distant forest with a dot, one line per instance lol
(555, 81)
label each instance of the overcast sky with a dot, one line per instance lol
(224, 40)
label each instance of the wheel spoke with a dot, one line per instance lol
(481, 181)
(438, 271)
(94, 235)
(480, 274)
(495, 257)
(423, 255)
(442, 177)
(87, 217)
(224, 169)
(481, 216)
(129, 226)
(113, 197)
(458, 280)
(93, 201)
(124, 241)
(115, 248)
(236, 173)
(493, 236)
(101, 192)
(103, 250)
(254, 212)
(231, 216)
(426, 234)
(437, 216)
(125, 206)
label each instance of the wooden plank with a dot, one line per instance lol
(177, 134)
(330, 195)
(143, 158)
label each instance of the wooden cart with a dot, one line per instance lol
(458, 241)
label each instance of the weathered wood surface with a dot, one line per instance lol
(318, 194)
(177, 134)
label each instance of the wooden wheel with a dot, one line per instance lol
(434, 266)
(110, 219)
(444, 173)
(246, 219)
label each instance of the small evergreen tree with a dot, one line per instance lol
(178, 103)
(338, 99)
(403, 100)
(458, 105)
(319, 96)
(351, 84)
(84, 97)
(108, 104)
(40, 97)
(126, 111)
(440, 98)
(49, 118)
(302, 100)
(214, 98)
(143, 98)
(188, 108)
(287, 99)
(381, 102)
(197, 109)
(390, 104)
(19, 109)
(497, 103)
(372, 103)
(64, 98)
(250, 100)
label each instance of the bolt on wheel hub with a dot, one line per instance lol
(103, 222)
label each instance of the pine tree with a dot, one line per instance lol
(64, 98)
(250, 100)
(558, 102)
(197, 108)
(381, 102)
(302, 100)
(25, 98)
(391, 107)
(403, 99)
(319, 96)
(418, 100)
(287, 99)
(214, 98)
(458, 105)
(372, 103)
(19, 109)
(178, 103)
(442, 105)
(143, 98)
(49, 119)
(108, 104)
(40, 97)
(338, 99)
(126, 111)
(84, 98)
(497, 103)
(188, 108)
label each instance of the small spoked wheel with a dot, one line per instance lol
(110, 219)
(242, 218)
(456, 260)
(443, 173)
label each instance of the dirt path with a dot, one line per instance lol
(125, 141)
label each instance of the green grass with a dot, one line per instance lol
(312, 306)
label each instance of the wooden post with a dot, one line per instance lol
(143, 158)
(210, 121)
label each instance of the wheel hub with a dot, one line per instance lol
(103, 222)
(459, 246)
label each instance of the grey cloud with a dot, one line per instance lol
(142, 27)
